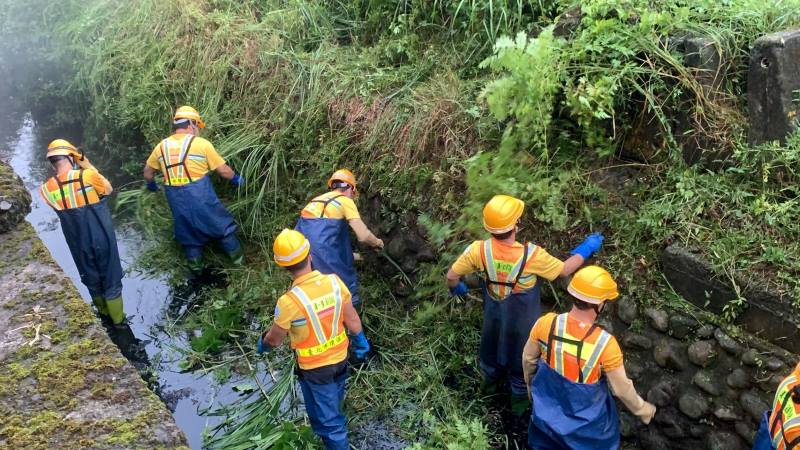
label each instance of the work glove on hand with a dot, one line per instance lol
(237, 180)
(459, 289)
(589, 246)
(152, 186)
(360, 345)
(262, 347)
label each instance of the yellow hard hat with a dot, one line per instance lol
(343, 175)
(593, 284)
(187, 112)
(290, 248)
(502, 213)
(61, 147)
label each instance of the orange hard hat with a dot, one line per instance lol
(345, 176)
(290, 248)
(61, 147)
(502, 213)
(189, 113)
(593, 284)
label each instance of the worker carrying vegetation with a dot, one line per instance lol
(184, 159)
(572, 406)
(510, 291)
(78, 195)
(316, 313)
(325, 220)
(780, 427)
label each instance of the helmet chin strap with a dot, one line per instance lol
(598, 309)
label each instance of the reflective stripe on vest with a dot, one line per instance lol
(177, 173)
(70, 193)
(502, 289)
(311, 308)
(784, 415)
(558, 344)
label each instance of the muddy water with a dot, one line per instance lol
(147, 298)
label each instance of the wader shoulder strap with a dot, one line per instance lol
(778, 422)
(188, 147)
(325, 203)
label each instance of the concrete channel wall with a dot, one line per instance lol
(63, 383)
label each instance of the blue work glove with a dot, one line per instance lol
(237, 180)
(459, 289)
(262, 347)
(360, 345)
(152, 186)
(589, 246)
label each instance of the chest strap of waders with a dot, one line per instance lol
(488, 245)
(557, 336)
(325, 204)
(78, 180)
(181, 163)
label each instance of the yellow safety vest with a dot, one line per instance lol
(327, 334)
(785, 417)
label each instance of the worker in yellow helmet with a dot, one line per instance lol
(575, 361)
(327, 220)
(78, 194)
(780, 427)
(316, 313)
(510, 290)
(184, 159)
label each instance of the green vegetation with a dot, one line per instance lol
(583, 109)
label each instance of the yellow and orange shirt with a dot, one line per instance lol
(189, 158)
(501, 262)
(74, 189)
(784, 422)
(597, 352)
(313, 312)
(331, 205)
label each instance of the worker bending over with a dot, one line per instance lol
(780, 427)
(575, 361)
(79, 198)
(510, 286)
(326, 222)
(184, 159)
(316, 313)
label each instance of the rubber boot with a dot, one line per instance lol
(237, 256)
(100, 304)
(196, 266)
(115, 310)
(519, 404)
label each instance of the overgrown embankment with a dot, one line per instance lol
(63, 383)
(593, 112)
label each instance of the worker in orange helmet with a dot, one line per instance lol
(327, 220)
(511, 303)
(569, 363)
(780, 427)
(316, 313)
(184, 159)
(78, 195)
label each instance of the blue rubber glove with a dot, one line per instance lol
(237, 180)
(589, 246)
(360, 345)
(459, 289)
(262, 347)
(152, 186)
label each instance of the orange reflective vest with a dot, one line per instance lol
(325, 320)
(501, 277)
(576, 358)
(72, 192)
(784, 423)
(173, 161)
